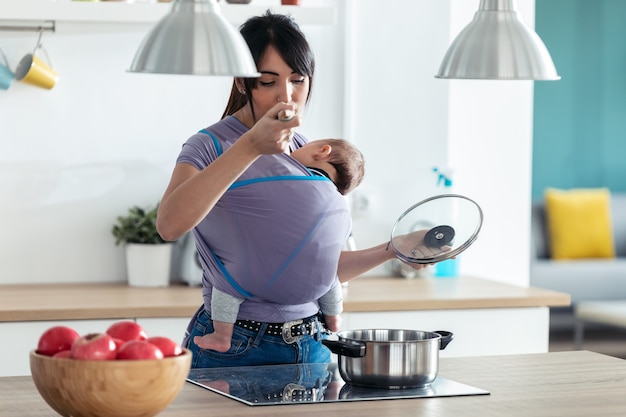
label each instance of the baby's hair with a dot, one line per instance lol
(349, 163)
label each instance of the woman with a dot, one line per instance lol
(265, 227)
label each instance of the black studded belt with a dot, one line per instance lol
(290, 331)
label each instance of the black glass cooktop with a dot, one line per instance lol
(308, 383)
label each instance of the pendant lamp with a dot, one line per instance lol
(497, 45)
(194, 38)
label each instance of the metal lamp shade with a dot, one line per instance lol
(194, 38)
(497, 45)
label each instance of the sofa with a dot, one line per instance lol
(584, 279)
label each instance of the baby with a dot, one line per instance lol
(343, 164)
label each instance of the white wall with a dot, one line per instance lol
(75, 157)
(490, 145)
(407, 122)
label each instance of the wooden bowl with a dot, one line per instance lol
(120, 388)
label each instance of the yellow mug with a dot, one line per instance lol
(33, 70)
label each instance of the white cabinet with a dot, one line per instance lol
(477, 332)
(19, 338)
(174, 328)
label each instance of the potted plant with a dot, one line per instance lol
(148, 256)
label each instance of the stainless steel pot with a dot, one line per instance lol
(389, 358)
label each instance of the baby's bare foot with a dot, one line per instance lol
(210, 342)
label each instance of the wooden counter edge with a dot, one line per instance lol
(118, 300)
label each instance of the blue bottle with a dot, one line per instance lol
(450, 267)
(447, 269)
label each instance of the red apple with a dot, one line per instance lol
(127, 330)
(139, 349)
(56, 339)
(94, 346)
(65, 354)
(118, 343)
(166, 345)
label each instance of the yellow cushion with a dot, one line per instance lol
(579, 223)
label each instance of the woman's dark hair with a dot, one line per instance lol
(283, 33)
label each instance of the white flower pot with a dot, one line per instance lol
(148, 265)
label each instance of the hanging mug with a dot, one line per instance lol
(6, 75)
(34, 71)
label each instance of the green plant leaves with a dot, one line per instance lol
(139, 226)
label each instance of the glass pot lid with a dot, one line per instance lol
(436, 229)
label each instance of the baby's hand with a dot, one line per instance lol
(333, 323)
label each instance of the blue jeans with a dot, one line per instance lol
(254, 348)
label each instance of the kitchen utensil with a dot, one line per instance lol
(6, 75)
(34, 71)
(186, 264)
(307, 383)
(456, 221)
(286, 115)
(120, 388)
(389, 358)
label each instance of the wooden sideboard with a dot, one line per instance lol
(470, 307)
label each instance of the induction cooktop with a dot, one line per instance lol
(308, 383)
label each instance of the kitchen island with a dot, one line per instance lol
(469, 307)
(568, 384)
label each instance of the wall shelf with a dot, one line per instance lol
(146, 13)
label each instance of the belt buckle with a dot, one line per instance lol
(286, 331)
(290, 389)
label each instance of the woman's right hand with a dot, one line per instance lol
(272, 133)
(183, 207)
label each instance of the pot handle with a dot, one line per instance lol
(446, 338)
(353, 349)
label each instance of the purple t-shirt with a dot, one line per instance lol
(275, 236)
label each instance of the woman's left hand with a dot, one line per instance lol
(412, 245)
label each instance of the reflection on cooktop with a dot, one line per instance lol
(308, 383)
